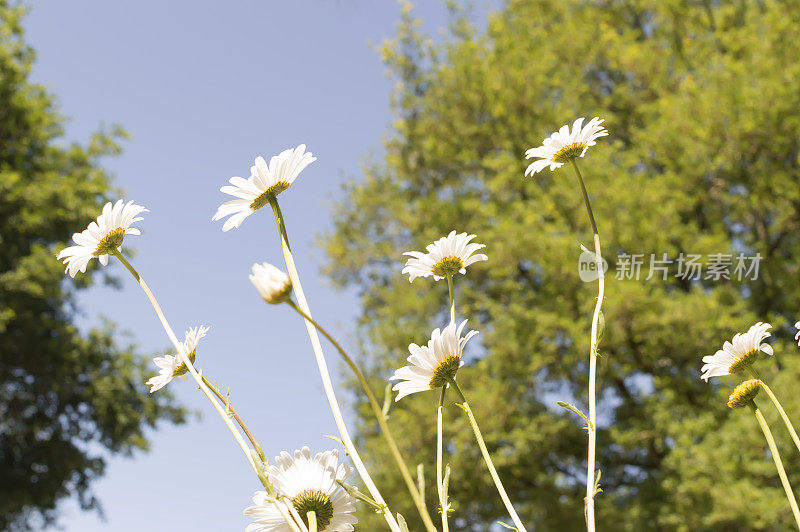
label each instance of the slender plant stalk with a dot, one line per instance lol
(592, 426)
(201, 384)
(439, 459)
(325, 375)
(296, 515)
(778, 407)
(773, 449)
(487, 458)
(452, 299)
(229, 406)
(419, 500)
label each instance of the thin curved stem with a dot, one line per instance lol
(452, 299)
(229, 406)
(778, 407)
(592, 428)
(773, 449)
(439, 459)
(325, 375)
(419, 501)
(199, 379)
(487, 458)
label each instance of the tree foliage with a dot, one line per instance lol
(702, 102)
(65, 397)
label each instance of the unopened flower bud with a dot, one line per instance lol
(273, 285)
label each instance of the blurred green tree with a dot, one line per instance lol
(702, 100)
(65, 398)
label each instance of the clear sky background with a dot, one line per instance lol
(204, 87)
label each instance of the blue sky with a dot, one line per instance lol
(203, 88)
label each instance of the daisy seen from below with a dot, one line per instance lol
(171, 366)
(266, 181)
(102, 237)
(309, 484)
(739, 354)
(447, 256)
(434, 365)
(565, 145)
(273, 284)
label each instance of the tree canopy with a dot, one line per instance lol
(66, 399)
(702, 101)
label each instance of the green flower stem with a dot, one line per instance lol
(452, 299)
(778, 407)
(773, 449)
(488, 459)
(592, 428)
(439, 454)
(419, 501)
(323, 371)
(200, 382)
(229, 407)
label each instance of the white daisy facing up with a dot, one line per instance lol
(309, 483)
(433, 365)
(170, 366)
(565, 145)
(102, 236)
(740, 353)
(449, 255)
(265, 182)
(273, 284)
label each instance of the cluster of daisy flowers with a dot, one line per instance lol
(305, 491)
(297, 484)
(739, 356)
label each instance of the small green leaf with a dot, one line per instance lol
(402, 522)
(597, 488)
(387, 401)
(575, 410)
(601, 329)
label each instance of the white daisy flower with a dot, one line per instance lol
(797, 336)
(273, 284)
(309, 483)
(102, 236)
(739, 354)
(449, 255)
(170, 366)
(563, 145)
(433, 365)
(265, 182)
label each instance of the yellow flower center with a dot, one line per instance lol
(317, 502)
(569, 152)
(744, 393)
(744, 361)
(182, 369)
(113, 240)
(447, 266)
(444, 371)
(269, 194)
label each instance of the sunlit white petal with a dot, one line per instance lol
(266, 181)
(101, 236)
(565, 145)
(309, 482)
